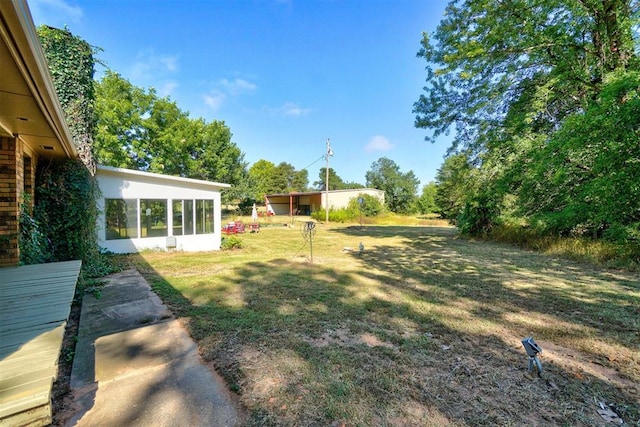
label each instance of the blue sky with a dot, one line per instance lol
(283, 75)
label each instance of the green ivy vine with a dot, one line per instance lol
(64, 219)
(71, 64)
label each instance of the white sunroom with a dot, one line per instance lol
(142, 210)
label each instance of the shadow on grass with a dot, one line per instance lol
(509, 280)
(425, 333)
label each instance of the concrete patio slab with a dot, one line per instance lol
(136, 365)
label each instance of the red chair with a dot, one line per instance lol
(234, 227)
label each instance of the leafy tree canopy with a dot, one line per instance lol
(426, 203)
(262, 177)
(456, 183)
(136, 129)
(541, 96)
(335, 182)
(267, 178)
(399, 188)
(541, 59)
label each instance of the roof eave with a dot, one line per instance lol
(23, 42)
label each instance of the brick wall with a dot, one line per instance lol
(11, 187)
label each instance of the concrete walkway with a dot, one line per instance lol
(136, 366)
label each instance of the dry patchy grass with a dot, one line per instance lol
(421, 328)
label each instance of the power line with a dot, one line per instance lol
(319, 158)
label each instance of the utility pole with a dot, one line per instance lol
(326, 181)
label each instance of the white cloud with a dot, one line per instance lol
(149, 65)
(167, 88)
(236, 86)
(170, 63)
(378, 143)
(225, 89)
(54, 12)
(291, 109)
(288, 109)
(214, 100)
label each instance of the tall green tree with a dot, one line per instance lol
(213, 155)
(426, 203)
(586, 176)
(268, 178)
(121, 133)
(456, 182)
(300, 180)
(138, 130)
(399, 188)
(544, 58)
(335, 182)
(262, 175)
(514, 80)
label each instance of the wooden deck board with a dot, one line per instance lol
(35, 301)
(32, 314)
(45, 336)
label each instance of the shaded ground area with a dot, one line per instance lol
(136, 365)
(420, 328)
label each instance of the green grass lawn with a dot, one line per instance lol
(422, 328)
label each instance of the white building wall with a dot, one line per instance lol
(124, 184)
(339, 199)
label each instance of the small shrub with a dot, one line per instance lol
(478, 216)
(335, 215)
(371, 206)
(231, 242)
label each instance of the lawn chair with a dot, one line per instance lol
(234, 227)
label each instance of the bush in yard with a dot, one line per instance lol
(231, 242)
(335, 215)
(478, 216)
(371, 206)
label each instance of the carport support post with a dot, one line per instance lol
(291, 208)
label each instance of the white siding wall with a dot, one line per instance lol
(117, 184)
(340, 198)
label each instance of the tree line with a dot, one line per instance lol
(543, 99)
(137, 129)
